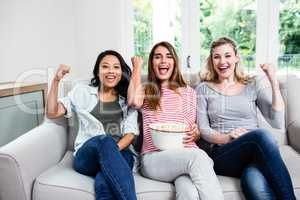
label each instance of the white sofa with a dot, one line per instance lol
(38, 165)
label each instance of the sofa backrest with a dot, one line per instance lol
(193, 80)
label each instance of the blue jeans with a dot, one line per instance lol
(100, 157)
(255, 158)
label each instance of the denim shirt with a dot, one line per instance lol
(82, 99)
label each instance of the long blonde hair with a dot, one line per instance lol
(153, 88)
(211, 75)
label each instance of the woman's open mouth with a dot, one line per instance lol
(163, 70)
(110, 78)
(223, 69)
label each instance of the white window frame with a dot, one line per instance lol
(190, 36)
(267, 32)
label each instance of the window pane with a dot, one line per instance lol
(155, 21)
(232, 18)
(289, 58)
(142, 25)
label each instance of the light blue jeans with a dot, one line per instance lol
(190, 169)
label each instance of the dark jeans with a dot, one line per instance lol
(255, 158)
(100, 157)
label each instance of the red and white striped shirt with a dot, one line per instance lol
(175, 107)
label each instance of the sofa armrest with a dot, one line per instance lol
(25, 158)
(294, 135)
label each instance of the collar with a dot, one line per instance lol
(94, 91)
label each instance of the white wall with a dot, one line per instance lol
(36, 34)
(100, 26)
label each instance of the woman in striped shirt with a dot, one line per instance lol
(167, 98)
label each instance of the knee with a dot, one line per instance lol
(103, 138)
(201, 157)
(250, 176)
(106, 141)
(264, 138)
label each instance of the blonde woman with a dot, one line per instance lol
(227, 113)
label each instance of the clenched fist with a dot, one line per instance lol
(61, 72)
(137, 61)
(269, 70)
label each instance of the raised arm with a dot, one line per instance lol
(271, 107)
(136, 91)
(277, 100)
(54, 108)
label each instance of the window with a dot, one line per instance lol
(289, 36)
(233, 18)
(155, 21)
(256, 26)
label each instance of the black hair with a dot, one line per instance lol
(122, 86)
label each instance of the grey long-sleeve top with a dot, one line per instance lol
(223, 113)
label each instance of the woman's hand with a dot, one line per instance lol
(136, 94)
(61, 72)
(269, 70)
(238, 132)
(192, 135)
(137, 62)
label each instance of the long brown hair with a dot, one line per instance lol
(212, 76)
(153, 87)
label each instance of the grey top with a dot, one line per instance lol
(110, 115)
(223, 113)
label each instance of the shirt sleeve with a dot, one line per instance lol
(131, 122)
(68, 101)
(202, 114)
(190, 106)
(264, 103)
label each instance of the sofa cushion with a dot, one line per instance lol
(148, 189)
(62, 182)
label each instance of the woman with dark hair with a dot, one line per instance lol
(107, 126)
(122, 85)
(228, 101)
(167, 98)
